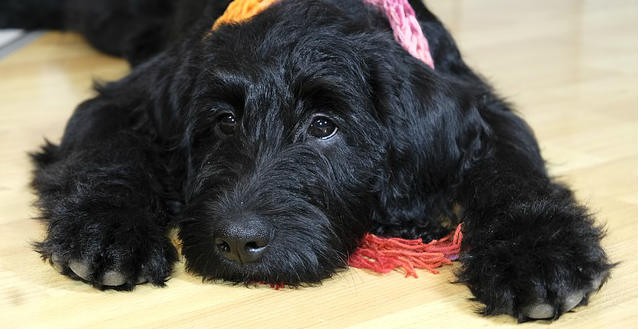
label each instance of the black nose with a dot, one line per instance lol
(243, 241)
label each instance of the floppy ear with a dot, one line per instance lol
(433, 131)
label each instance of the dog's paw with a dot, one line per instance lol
(528, 288)
(535, 260)
(536, 274)
(109, 254)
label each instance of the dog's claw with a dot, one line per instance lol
(141, 280)
(543, 310)
(113, 279)
(573, 300)
(57, 263)
(81, 269)
(110, 278)
(539, 311)
(595, 284)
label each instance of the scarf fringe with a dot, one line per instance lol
(383, 255)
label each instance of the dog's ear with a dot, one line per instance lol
(434, 130)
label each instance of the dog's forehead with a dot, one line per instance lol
(311, 72)
(286, 38)
(318, 54)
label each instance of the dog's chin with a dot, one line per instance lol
(290, 267)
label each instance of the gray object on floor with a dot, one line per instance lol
(12, 40)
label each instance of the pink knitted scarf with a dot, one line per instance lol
(406, 28)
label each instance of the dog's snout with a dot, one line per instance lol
(243, 241)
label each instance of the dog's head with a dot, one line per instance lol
(303, 129)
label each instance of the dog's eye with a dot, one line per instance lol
(226, 123)
(322, 127)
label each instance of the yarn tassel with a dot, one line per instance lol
(383, 255)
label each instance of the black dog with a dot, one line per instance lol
(275, 144)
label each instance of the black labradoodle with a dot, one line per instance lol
(274, 145)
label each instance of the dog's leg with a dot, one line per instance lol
(103, 202)
(32, 14)
(135, 30)
(531, 250)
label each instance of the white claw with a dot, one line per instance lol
(572, 300)
(141, 280)
(539, 311)
(595, 284)
(56, 262)
(81, 269)
(112, 278)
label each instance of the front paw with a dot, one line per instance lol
(537, 268)
(528, 288)
(114, 251)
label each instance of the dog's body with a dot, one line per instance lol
(274, 145)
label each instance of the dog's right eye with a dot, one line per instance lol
(322, 127)
(226, 123)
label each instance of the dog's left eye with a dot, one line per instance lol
(322, 127)
(226, 123)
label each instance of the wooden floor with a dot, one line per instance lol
(569, 66)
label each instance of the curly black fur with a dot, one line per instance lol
(146, 154)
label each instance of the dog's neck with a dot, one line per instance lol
(400, 14)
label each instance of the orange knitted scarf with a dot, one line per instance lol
(241, 10)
